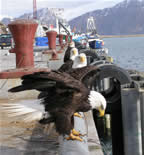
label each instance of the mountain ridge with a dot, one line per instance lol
(122, 19)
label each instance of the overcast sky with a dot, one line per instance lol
(73, 8)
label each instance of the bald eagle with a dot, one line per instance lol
(67, 96)
(69, 58)
(76, 61)
(80, 61)
(71, 46)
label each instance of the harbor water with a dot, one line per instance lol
(127, 52)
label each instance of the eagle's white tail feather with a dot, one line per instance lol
(25, 111)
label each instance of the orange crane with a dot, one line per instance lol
(34, 10)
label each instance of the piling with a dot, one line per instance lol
(71, 38)
(61, 43)
(61, 40)
(52, 44)
(23, 32)
(66, 39)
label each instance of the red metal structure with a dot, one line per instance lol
(61, 43)
(52, 39)
(66, 39)
(23, 32)
(61, 40)
(70, 38)
(34, 10)
(52, 44)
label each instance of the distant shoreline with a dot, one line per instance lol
(121, 36)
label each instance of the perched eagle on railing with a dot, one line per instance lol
(75, 61)
(69, 58)
(67, 94)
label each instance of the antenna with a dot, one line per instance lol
(91, 27)
(34, 10)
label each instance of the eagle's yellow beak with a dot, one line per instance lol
(82, 59)
(101, 111)
(74, 52)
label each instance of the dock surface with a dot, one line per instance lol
(17, 138)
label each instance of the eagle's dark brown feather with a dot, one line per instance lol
(67, 54)
(67, 96)
(66, 93)
(66, 66)
(80, 73)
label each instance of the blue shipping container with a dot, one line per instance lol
(41, 44)
(95, 44)
(41, 41)
(41, 38)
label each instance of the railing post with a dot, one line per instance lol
(141, 90)
(131, 120)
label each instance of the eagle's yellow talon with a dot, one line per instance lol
(73, 137)
(77, 115)
(76, 133)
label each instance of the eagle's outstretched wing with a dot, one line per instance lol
(60, 88)
(42, 81)
(24, 111)
(85, 74)
(80, 73)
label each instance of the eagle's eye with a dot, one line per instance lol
(102, 107)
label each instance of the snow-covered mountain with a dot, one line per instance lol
(45, 16)
(124, 18)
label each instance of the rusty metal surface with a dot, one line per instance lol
(17, 73)
(66, 38)
(61, 40)
(52, 39)
(23, 32)
(23, 21)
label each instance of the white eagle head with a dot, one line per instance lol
(73, 53)
(72, 44)
(98, 102)
(80, 61)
